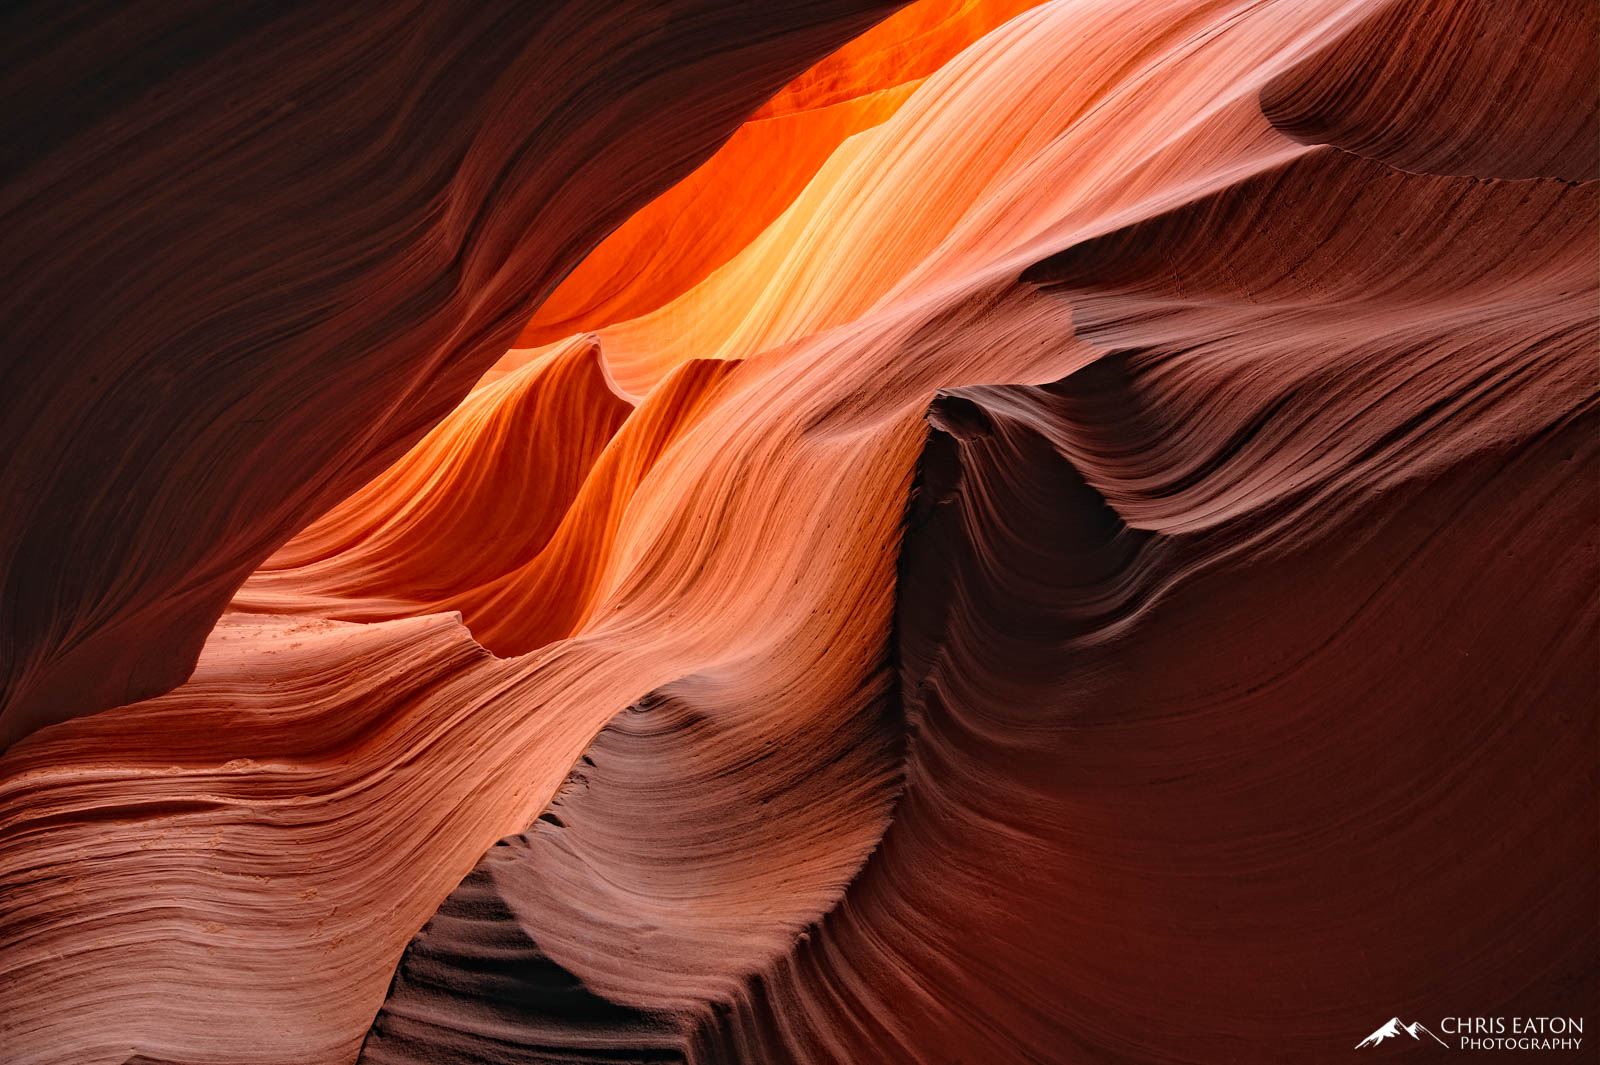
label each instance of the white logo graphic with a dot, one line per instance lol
(1393, 1028)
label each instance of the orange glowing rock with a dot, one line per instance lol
(1069, 538)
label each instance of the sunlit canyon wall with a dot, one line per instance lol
(801, 532)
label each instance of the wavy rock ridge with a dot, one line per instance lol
(1070, 538)
(340, 224)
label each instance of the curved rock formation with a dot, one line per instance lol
(1206, 666)
(258, 250)
(1070, 539)
(1258, 688)
(1474, 88)
(659, 879)
(689, 231)
(548, 517)
(514, 455)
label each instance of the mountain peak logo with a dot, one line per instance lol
(1392, 1029)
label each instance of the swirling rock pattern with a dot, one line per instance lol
(1069, 539)
(280, 245)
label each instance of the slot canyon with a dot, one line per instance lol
(812, 532)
